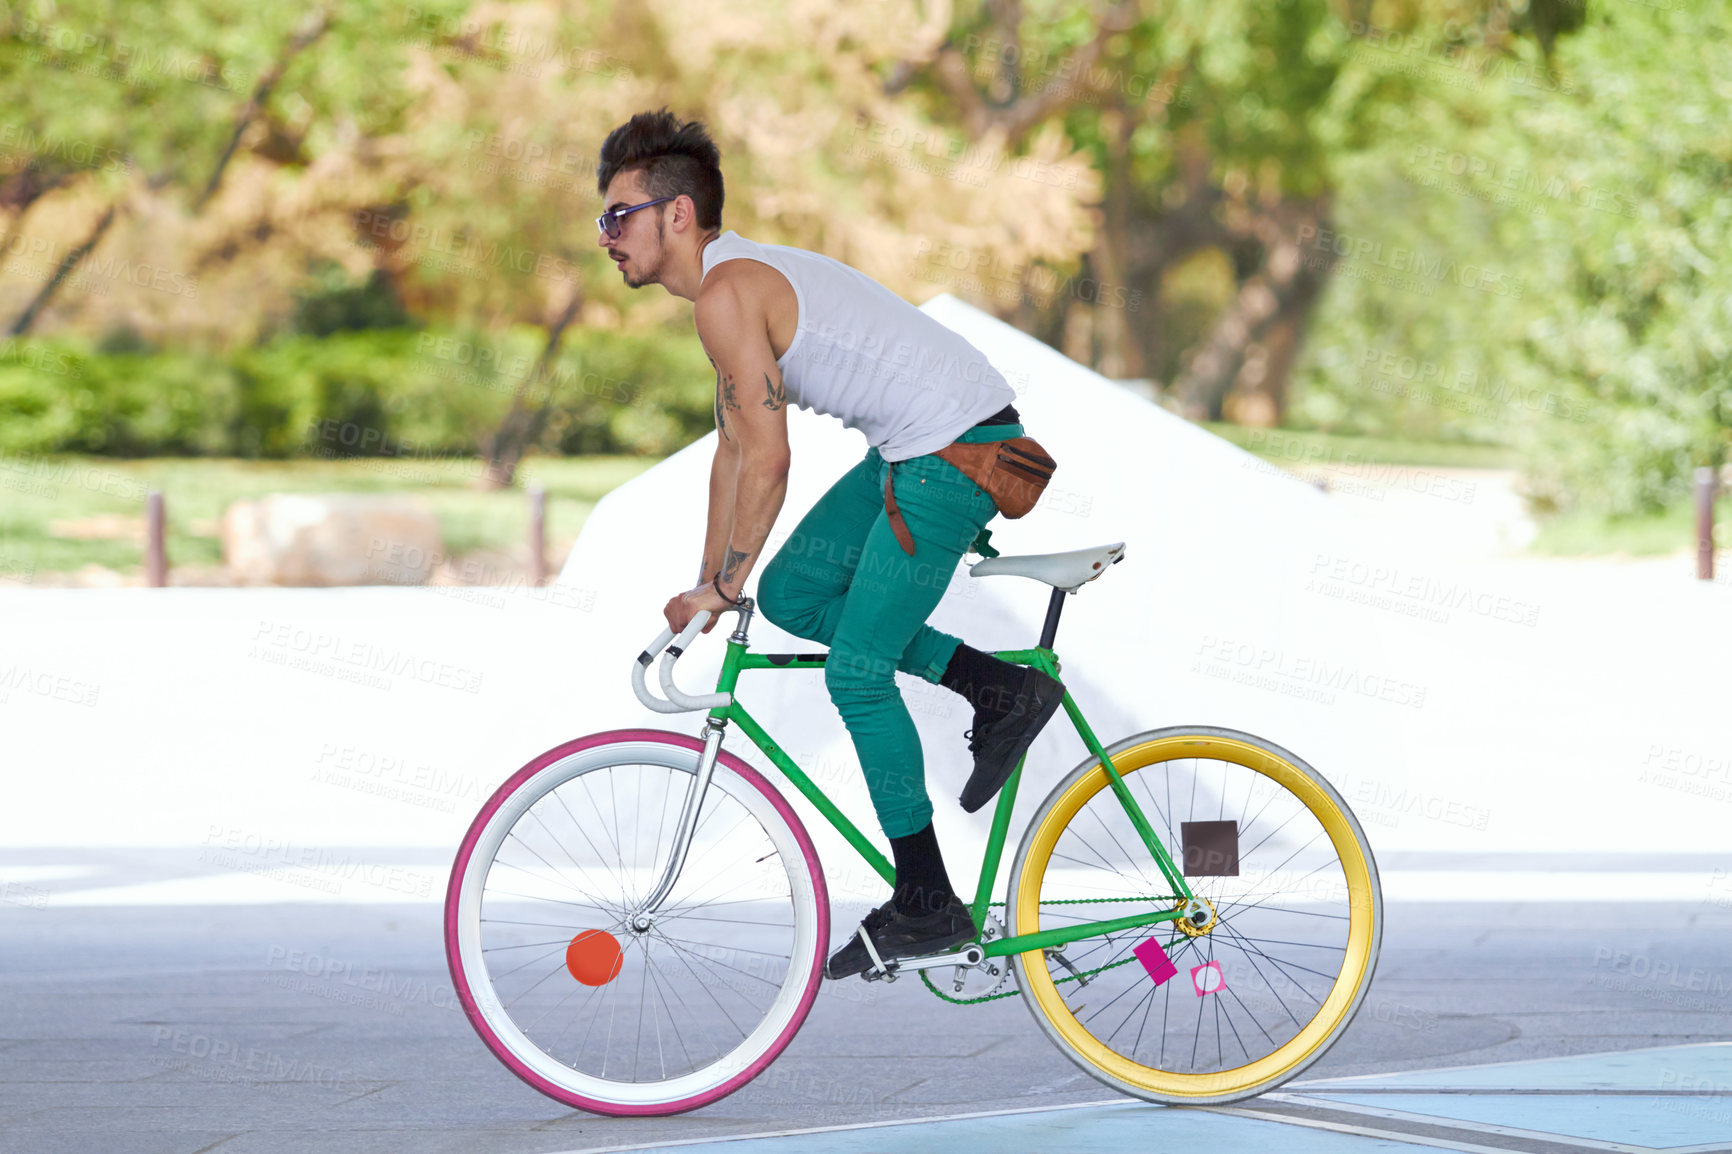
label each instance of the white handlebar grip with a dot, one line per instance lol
(692, 629)
(702, 701)
(641, 665)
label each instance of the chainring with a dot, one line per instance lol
(977, 982)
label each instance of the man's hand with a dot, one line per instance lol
(682, 607)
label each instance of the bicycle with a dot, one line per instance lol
(1254, 876)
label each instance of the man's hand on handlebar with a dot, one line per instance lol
(682, 607)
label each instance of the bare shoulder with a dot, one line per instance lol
(727, 300)
(745, 295)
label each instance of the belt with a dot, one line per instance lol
(978, 434)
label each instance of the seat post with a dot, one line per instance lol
(1049, 631)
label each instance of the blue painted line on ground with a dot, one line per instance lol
(1641, 1120)
(1702, 1066)
(1529, 1095)
(1138, 1126)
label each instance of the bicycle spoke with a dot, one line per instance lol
(735, 949)
(721, 958)
(595, 901)
(1100, 821)
(544, 954)
(571, 817)
(538, 857)
(556, 901)
(678, 1034)
(523, 946)
(1267, 966)
(1282, 966)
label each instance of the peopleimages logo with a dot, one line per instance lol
(1395, 258)
(1300, 675)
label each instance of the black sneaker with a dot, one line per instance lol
(999, 744)
(896, 935)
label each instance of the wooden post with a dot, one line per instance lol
(155, 551)
(537, 535)
(1706, 482)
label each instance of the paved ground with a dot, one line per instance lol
(329, 1024)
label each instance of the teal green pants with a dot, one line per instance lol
(843, 581)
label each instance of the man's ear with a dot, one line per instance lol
(685, 212)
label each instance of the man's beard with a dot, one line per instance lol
(654, 274)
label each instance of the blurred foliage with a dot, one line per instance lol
(335, 303)
(1573, 204)
(1491, 222)
(390, 392)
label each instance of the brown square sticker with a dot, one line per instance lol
(1211, 848)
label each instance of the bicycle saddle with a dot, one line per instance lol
(1068, 571)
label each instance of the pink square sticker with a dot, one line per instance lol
(1155, 960)
(1208, 978)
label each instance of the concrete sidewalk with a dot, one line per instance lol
(144, 1009)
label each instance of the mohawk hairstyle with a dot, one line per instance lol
(674, 158)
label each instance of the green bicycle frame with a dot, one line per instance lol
(739, 659)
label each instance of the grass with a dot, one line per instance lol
(1573, 534)
(44, 502)
(1666, 531)
(59, 514)
(1299, 447)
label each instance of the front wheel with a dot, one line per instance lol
(549, 956)
(1180, 1013)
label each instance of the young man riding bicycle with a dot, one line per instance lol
(869, 562)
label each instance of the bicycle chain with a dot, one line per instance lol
(1056, 981)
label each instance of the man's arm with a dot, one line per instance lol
(751, 412)
(749, 474)
(723, 471)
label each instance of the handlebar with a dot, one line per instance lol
(677, 702)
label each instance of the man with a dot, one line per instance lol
(780, 326)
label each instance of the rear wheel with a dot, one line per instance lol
(547, 955)
(1217, 1012)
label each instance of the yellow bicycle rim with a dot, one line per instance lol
(1273, 1067)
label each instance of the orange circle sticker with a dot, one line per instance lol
(594, 957)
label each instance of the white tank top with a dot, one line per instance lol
(862, 353)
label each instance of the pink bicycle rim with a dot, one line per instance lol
(460, 983)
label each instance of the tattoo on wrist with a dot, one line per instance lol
(732, 564)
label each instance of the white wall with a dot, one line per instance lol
(172, 717)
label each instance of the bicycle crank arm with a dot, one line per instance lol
(969, 955)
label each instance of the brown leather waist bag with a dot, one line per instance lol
(1013, 473)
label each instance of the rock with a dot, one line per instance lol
(301, 539)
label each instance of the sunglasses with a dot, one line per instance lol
(608, 221)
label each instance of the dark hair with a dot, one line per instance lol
(674, 158)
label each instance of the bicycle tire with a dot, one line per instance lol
(707, 958)
(1056, 998)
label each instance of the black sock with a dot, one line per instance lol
(922, 886)
(984, 680)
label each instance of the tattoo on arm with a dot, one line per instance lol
(728, 393)
(775, 394)
(721, 421)
(732, 564)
